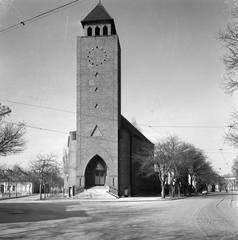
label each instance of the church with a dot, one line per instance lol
(101, 150)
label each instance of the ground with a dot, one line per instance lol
(212, 216)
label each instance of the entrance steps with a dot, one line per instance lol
(98, 192)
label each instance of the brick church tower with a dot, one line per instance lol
(100, 150)
(98, 100)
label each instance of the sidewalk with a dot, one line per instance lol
(122, 199)
(25, 198)
(60, 198)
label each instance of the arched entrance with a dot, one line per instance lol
(95, 173)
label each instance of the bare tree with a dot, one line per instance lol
(12, 139)
(65, 161)
(235, 167)
(161, 162)
(176, 163)
(47, 169)
(229, 40)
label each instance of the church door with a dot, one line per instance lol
(99, 174)
(96, 172)
(99, 178)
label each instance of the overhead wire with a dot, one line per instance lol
(221, 149)
(56, 109)
(182, 126)
(150, 126)
(50, 130)
(39, 128)
(89, 115)
(154, 130)
(32, 105)
(39, 16)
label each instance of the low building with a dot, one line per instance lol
(21, 188)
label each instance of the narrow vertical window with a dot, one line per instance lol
(97, 31)
(105, 31)
(89, 31)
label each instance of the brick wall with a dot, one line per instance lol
(98, 103)
(72, 160)
(124, 163)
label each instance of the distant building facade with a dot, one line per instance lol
(100, 151)
(21, 188)
(230, 182)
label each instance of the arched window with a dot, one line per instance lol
(105, 30)
(97, 31)
(89, 31)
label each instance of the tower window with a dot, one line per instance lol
(89, 31)
(105, 30)
(97, 31)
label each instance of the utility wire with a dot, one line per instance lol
(224, 158)
(181, 126)
(39, 128)
(155, 130)
(221, 149)
(55, 131)
(150, 126)
(56, 109)
(29, 20)
(226, 138)
(32, 105)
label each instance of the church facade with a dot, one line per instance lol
(100, 151)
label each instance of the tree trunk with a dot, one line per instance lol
(162, 190)
(44, 192)
(170, 191)
(185, 185)
(173, 191)
(190, 189)
(16, 189)
(179, 191)
(40, 192)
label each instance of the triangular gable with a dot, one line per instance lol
(96, 132)
(99, 167)
(99, 13)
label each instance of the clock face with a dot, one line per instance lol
(97, 56)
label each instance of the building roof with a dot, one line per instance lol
(125, 124)
(99, 13)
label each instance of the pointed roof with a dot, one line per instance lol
(99, 14)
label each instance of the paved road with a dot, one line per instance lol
(214, 216)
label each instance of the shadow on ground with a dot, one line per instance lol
(32, 212)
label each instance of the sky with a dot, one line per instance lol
(171, 71)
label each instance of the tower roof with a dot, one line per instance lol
(98, 14)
